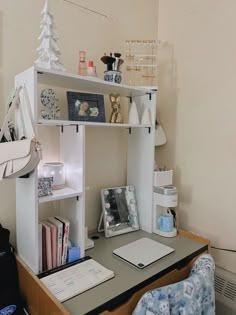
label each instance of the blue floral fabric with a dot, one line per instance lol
(193, 296)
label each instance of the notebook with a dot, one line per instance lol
(143, 252)
(47, 246)
(76, 278)
(66, 228)
(53, 230)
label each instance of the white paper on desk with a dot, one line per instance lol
(76, 279)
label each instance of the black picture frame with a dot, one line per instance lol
(93, 107)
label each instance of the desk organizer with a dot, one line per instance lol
(163, 178)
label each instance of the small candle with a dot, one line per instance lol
(55, 170)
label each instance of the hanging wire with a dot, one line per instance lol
(87, 9)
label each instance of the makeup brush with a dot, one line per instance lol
(121, 61)
(116, 64)
(105, 59)
(108, 60)
(118, 55)
(111, 60)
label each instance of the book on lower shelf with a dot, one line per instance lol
(53, 230)
(66, 227)
(59, 227)
(75, 278)
(53, 242)
(47, 246)
(40, 247)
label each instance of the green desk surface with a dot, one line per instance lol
(129, 279)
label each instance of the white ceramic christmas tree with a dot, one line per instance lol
(146, 118)
(49, 52)
(133, 114)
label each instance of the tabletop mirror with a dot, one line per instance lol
(119, 210)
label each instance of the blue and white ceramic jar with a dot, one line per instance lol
(113, 76)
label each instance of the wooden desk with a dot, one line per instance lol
(119, 295)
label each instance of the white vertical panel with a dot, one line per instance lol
(141, 164)
(26, 191)
(72, 154)
(27, 220)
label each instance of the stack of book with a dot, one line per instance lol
(53, 242)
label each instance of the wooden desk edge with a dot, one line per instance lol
(37, 297)
(194, 236)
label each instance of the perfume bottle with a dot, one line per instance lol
(91, 70)
(82, 69)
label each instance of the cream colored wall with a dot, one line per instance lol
(77, 29)
(197, 105)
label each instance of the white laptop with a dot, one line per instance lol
(142, 252)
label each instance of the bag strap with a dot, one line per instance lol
(22, 121)
(25, 100)
(10, 111)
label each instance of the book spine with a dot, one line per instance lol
(49, 248)
(54, 245)
(59, 244)
(44, 251)
(40, 247)
(65, 242)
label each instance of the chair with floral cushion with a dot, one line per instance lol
(192, 296)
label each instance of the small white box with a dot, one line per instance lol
(163, 178)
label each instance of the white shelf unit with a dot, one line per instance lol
(60, 194)
(71, 199)
(46, 122)
(86, 84)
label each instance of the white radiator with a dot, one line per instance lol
(225, 291)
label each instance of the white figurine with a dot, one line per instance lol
(133, 114)
(146, 117)
(49, 52)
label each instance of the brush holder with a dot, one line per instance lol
(113, 76)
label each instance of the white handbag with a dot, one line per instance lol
(20, 157)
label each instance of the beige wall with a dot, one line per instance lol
(77, 29)
(197, 104)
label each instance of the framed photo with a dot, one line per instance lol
(86, 107)
(120, 213)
